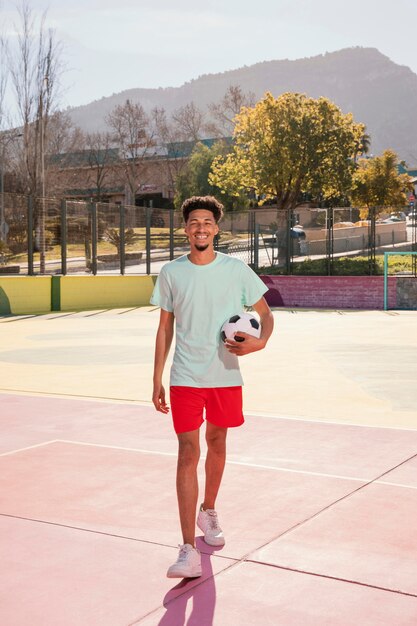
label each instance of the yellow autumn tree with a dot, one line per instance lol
(288, 145)
(377, 183)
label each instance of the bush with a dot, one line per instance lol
(343, 266)
(17, 235)
(4, 251)
(112, 235)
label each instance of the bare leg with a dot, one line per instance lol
(215, 461)
(187, 483)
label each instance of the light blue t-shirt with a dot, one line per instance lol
(202, 298)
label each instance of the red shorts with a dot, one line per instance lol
(223, 407)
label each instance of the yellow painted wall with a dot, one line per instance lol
(23, 295)
(102, 292)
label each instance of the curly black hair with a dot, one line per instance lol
(208, 203)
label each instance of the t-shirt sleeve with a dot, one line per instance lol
(162, 293)
(253, 287)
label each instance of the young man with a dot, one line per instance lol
(201, 291)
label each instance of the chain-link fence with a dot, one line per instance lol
(54, 236)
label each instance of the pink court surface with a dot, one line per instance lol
(319, 497)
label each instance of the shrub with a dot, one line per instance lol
(342, 266)
(112, 235)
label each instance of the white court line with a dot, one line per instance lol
(384, 482)
(71, 396)
(318, 421)
(103, 445)
(240, 463)
(36, 445)
(148, 403)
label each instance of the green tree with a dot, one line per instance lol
(376, 182)
(365, 144)
(290, 145)
(194, 179)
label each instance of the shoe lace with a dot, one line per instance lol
(183, 553)
(213, 520)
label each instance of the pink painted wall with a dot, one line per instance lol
(336, 292)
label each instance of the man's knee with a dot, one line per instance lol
(216, 438)
(188, 452)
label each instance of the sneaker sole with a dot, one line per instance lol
(178, 575)
(218, 543)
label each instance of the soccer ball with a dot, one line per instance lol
(244, 322)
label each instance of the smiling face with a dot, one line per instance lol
(201, 228)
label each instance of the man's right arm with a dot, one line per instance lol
(163, 343)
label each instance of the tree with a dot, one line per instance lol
(62, 141)
(377, 183)
(289, 145)
(35, 68)
(363, 146)
(170, 136)
(194, 180)
(135, 136)
(63, 137)
(101, 158)
(224, 112)
(189, 121)
(3, 80)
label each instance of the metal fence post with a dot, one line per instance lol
(256, 246)
(63, 236)
(30, 236)
(330, 241)
(93, 208)
(148, 211)
(251, 229)
(385, 281)
(122, 240)
(372, 240)
(171, 234)
(289, 242)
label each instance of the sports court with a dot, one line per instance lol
(318, 501)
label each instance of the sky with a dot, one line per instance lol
(110, 46)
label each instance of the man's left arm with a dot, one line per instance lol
(252, 344)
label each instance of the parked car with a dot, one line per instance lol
(392, 219)
(297, 232)
(398, 216)
(412, 218)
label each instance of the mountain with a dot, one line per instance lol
(362, 81)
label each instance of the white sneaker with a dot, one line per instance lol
(188, 564)
(207, 522)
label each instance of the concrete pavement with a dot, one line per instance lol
(317, 503)
(354, 367)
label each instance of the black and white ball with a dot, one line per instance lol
(244, 322)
